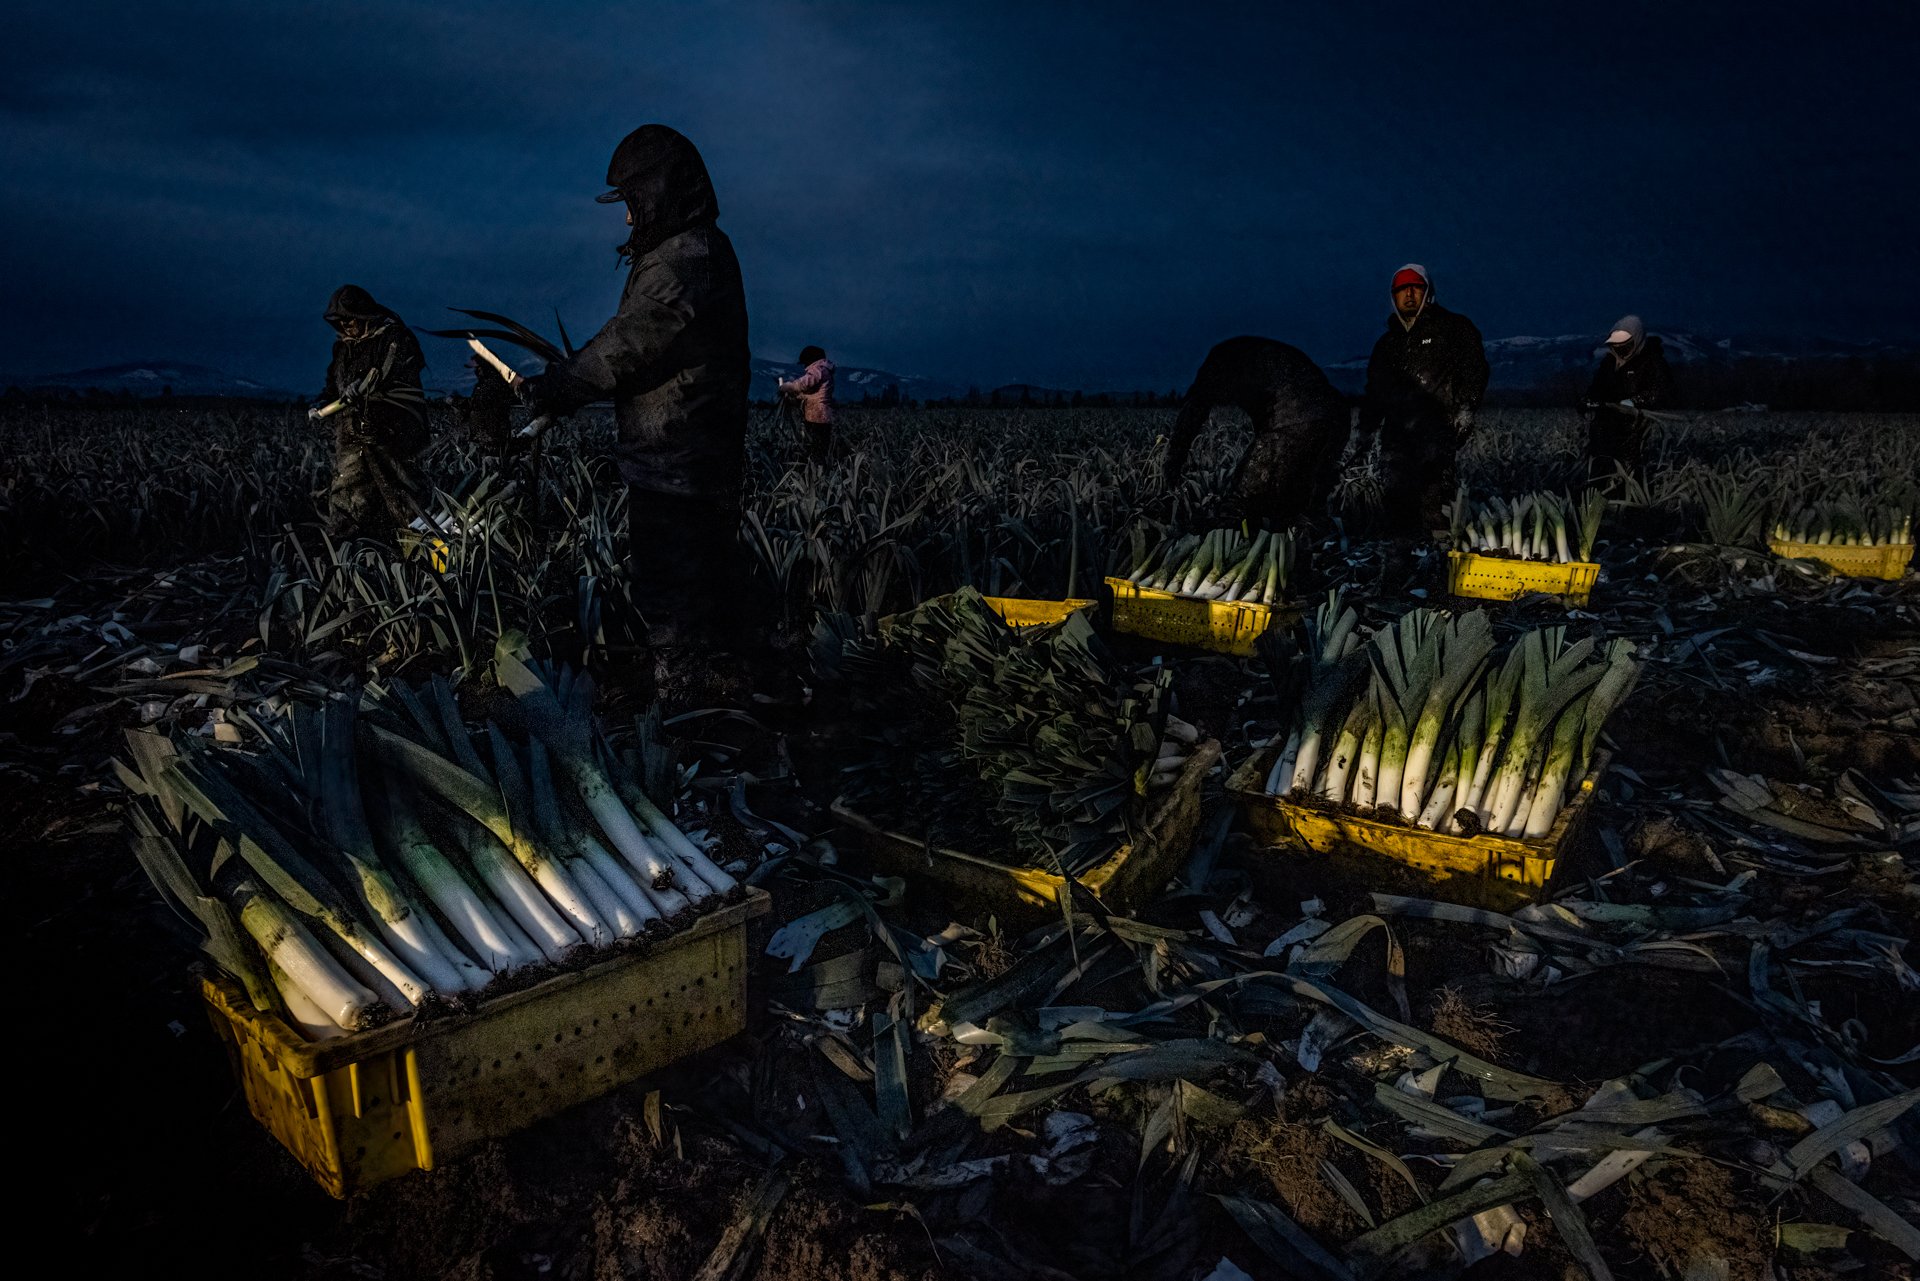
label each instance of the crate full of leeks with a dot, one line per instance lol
(1541, 542)
(425, 937)
(998, 761)
(1849, 536)
(1426, 745)
(1219, 590)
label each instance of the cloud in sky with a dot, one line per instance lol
(1067, 194)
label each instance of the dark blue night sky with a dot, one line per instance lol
(1065, 194)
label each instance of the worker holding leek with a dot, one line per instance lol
(379, 416)
(489, 411)
(1633, 377)
(1425, 380)
(675, 364)
(1300, 425)
(812, 392)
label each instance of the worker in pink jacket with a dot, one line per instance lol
(813, 389)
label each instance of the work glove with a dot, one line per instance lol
(1462, 425)
(537, 394)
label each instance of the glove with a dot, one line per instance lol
(537, 394)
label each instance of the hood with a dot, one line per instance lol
(351, 302)
(1426, 278)
(1635, 330)
(663, 180)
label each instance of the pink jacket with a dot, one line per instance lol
(814, 388)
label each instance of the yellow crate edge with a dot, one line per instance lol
(1015, 611)
(1889, 563)
(1037, 887)
(1519, 867)
(317, 1098)
(1505, 578)
(1223, 626)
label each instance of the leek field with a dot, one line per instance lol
(1697, 1055)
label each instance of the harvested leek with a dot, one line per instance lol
(1539, 526)
(1222, 564)
(1846, 523)
(382, 865)
(1433, 730)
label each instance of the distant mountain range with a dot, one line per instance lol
(851, 383)
(1524, 368)
(150, 378)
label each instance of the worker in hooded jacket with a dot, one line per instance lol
(1425, 381)
(813, 391)
(489, 411)
(381, 426)
(1633, 376)
(675, 364)
(1300, 425)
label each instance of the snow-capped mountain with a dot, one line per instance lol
(151, 378)
(852, 385)
(1527, 364)
(1810, 372)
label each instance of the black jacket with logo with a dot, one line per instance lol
(1645, 378)
(1426, 380)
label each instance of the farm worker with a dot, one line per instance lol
(813, 389)
(382, 426)
(1633, 376)
(1300, 425)
(490, 410)
(675, 364)
(1425, 380)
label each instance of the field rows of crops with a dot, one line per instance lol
(1697, 1060)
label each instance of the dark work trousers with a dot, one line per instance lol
(374, 491)
(1286, 474)
(1417, 480)
(819, 442)
(1615, 439)
(688, 572)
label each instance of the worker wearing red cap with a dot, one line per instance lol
(1425, 380)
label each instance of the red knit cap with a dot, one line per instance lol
(1410, 276)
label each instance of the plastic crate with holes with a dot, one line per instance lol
(373, 1105)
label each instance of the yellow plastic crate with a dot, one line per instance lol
(1856, 562)
(1226, 627)
(1485, 871)
(1127, 880)
(432, 546)
(1017, 611)
(370, 1106)
(1507, 578)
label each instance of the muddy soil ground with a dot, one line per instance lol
(137, 1148)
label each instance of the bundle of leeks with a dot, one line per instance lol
(1846, 522)
(1425, 725)
(1539, 526)
(360, 863)
(1222, 564)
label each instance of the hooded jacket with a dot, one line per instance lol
(1643, 376)
(1299, 427)
(1426, 376)
(674, 359)
(1278, 386)
(814, 388)
(387, 345)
